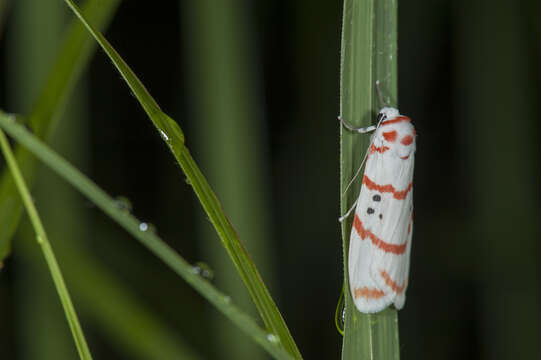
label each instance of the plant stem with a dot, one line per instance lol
(41, 237)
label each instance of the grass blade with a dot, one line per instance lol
(72, 58)
(124, 320)
(224, 93)
(41, 236)
(174, 138)
(368, 54)
(147, 238)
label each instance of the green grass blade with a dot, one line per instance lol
(167, 127)
(72, 58)
(124, 320)
(147, 238)
(173, 136)
(224, 90)
(368, 54)
(104, 301)
(41, 236)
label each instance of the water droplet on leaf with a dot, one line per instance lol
(145, 227)
(273, 338)
(340, 314)
(164, 135)
(203, 270)
(123, 203)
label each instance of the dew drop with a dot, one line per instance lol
(227, 299)
(164, 135)
(340, 314)
(273, 338)
(123, 203)
(174, 132)
(203, 270)
(39, 238)
(147, 227)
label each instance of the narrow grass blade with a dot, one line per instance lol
(174, 138)
(103, 300)
(126, 322)
(368, 54)
(72, 58)
(149, 239)
(41, 236)
(224, 93)
(37, 30)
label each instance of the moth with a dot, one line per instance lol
(380, 241)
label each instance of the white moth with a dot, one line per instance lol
(380, 242)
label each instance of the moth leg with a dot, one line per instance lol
(363, 130)
(343, 217)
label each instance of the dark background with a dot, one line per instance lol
(468, 77)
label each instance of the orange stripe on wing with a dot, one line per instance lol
(367, 293)
(387, 188)
(393, 285)
(396, 120)
(389, 248)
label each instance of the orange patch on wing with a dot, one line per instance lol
(387, 188)
(392, 284)
(380, 149)
(367, 293)
(390, 136)
(407, 140)
(385, 246)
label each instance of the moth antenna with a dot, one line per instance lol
(356, 173)
(380, 95)
(365, 155)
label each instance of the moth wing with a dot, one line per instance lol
(390, 269)
(390, 264)
(368, 295)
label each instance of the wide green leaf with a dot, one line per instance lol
(368, 54)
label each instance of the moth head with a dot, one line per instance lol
(395, 133)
